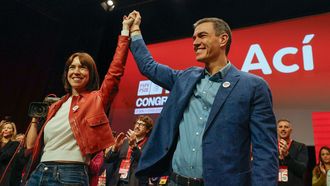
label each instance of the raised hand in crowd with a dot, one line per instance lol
(283, 148)
(118, 142)
(131, 136)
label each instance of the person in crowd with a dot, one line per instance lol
(76, 125)
(293, 156)
(321, 170)
(95, 166)
(106, 173)
(107, 169)
(8, 146)
(20, 137)
(8, 143)
(6, 119)
(211, 117)
(126, 152)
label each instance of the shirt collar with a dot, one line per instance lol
(217, 77)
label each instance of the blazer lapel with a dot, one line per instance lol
(188, 89)
(232, 77)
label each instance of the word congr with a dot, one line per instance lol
(151, 101)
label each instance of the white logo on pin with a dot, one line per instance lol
(75, 108)
(226, 84)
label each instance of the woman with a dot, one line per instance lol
(76, 126)
(8, 146)
(320, 170)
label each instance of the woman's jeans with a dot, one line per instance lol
(59, 174)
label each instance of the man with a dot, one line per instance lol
(211, 116)
(126, 152)
(293, 156)
(20, 137)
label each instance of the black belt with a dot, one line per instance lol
(182, 180)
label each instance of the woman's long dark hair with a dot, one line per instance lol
(320, 157)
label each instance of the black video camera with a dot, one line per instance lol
(40, 109)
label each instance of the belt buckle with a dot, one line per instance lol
(196, 181)
(187, 180)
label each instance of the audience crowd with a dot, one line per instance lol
(116, 165)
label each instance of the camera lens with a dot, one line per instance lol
(38, 109)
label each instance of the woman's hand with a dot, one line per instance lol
(322, 168)
(127, 22)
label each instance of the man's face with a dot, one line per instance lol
(207, 45)
(284, 130)
(140, 129)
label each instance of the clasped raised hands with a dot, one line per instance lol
(132, 22)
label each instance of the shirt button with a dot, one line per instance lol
(46, 168)
(193, 149)
(204, 92)
(205, 108)
(197, 133)
(200, 118)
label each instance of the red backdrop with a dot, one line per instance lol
(321, 126)
(292, 56)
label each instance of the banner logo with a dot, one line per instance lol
(151, 98)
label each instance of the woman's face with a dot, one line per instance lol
(7, 130)
(325, 156)
(78, 76)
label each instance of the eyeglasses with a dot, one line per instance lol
(140, 123)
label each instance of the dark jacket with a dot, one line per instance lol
(241, 114)
(296, 162)
(13, 173)
(6, 153)
(116, 158)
